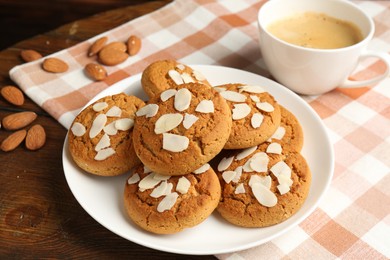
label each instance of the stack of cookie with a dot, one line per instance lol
(195, 148)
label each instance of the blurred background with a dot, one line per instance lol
(22, 19)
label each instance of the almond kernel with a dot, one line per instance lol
(13, 95)
(13, 140)
(36, 137)
(54, 65)
(18, 120)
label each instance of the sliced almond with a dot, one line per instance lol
(219, 89)
(160, 190)
(180, 66)
(279, 133)
(13, 140)
(259, 162)
(252, 89)
(205, 106)
(97, 107)
(189, 120)
(78, 129)
(237, 177)
(263, 180)
(228, 176)
(255, 99)
(233, 96)
(167, 94)
(274, 148)
(54, 65)
(133, 179)
(183, 185)
(187, 78)
(168, 202)
(104, 142)
(97, 125)
(161, 177)
(149, 182)
(18, 120)
(281, 168)
(97, 46)
(240, 189)
(202, 169)
(176, 77)
(149, 110)
(265, 106)
(182, 99)
(263, 195)
(240, 111)
(110, 128)
(167, 122)
(104, 154)
(198, 75)
(114, 111)
(13, 95)
(257, 120)
(283, 188)
(36, 137)
(96, 71)
(246, 152)
(225, 163)
(30, 55)
(124, 124)
(175, 143)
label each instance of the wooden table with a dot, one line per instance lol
(39, 217)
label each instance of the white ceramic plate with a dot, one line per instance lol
(102, 197)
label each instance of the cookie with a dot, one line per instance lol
(100, 137)
(289, 134)
(163, 74)
(166, 205)
(255, 113)
(262, 186)
(181, 129)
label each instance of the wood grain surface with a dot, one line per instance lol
(39, 217)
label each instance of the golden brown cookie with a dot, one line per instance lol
(255, 113)
(166, 205)
(262, 188)
(100, 137)
(163, 74)
(289, 134)
(181, 129)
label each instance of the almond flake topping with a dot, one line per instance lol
(189, 120)
(176, 77)
(233, 96)
(180, 66)
(279, 133)
(167, 94)
(283, 188)
(198, 75)
(104, 154)
(252, 89)
(240, 111)
(133, 179)
(182, 99)
(265, 106)
(124, 124)
(205, 106)
(167, 122)
(281, 168)
(110, 129)
(202, 169)
(183, 185)
(275, 148)
(187, 78)
(161, 177)
(240, 189)
(148, 182)
(237, 177)
(255, 99)
(167, 202)
(246, 152)
(263, 195)
(264, 180)
(228, 176)
(114, 112)
(149, 110)
(97, 125)
(175, 143)
(104, 142)
(219, 89)
(97, 107)
(163, 189)
(78, 129)
(225, 163)
(257, 120)
(259, 162)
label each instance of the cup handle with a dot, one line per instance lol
(361, 83)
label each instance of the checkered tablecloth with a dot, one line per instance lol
(353, 218)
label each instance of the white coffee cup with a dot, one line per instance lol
(315, 71)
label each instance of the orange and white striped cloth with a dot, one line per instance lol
(353, 219)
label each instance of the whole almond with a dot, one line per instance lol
(13, 95)
(54, 65)
(96, 71)
(18, 120)
(120, 46)
(13, 140)
(111, 56)
(30, 55)
(97, 46)
(36, 137)
(133, 45)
